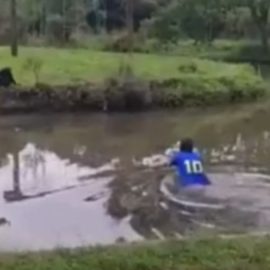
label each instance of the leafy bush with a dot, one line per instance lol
(202, 90)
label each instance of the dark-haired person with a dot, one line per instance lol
(189, 166)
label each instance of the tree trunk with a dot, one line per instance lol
(43, 28)
(264, 38)
(130, 23)
(14, 31)
(64, 18)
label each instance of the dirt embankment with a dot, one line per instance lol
(122, 95)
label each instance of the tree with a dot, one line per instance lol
(260, 14)
(96, 16)
(165, 25)
(46, 17)
(14, 32)
(114, 12)
(259, 10)
(200, 20)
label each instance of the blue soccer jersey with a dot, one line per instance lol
(190, 169)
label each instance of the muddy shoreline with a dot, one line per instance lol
(120, 96)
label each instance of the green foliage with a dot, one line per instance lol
(205, 20)
(199, 90)
(165, 25)
(260, 12)
(55, 27)
(201, 20)
(239, 23)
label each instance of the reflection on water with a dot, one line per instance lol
(58, 215)
(79, 180)
(38, 172)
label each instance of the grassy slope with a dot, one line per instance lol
(224, 50)
(71, 65)
(210, 254)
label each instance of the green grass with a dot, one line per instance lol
(237, 254)
(63, 66)
(223, 50)
(242, 50)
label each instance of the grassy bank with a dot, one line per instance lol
(246, 254)
(63, 66)
(92, 80)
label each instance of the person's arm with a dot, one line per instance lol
(173, 160)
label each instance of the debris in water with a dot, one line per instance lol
(254, 170)
(239, 144)
(136, 163)
(144, 194)
(266, 135)
(214, 153)
(94, 198)
(231, 158)
(164, 205)
(185, 213)
(80, 150)
(158, 233)
(4, 221)
(135, 188)
(178, 236)
(204, 225)
(214, 161)
(155, 161)
(115, 162)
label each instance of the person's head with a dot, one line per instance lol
(187, 145)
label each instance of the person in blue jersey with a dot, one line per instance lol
(189, 167)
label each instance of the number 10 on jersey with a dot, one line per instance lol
(193, 166)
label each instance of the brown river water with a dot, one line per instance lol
(79, 180)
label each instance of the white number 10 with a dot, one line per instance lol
(193, 166)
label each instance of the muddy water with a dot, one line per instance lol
(75, 180)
